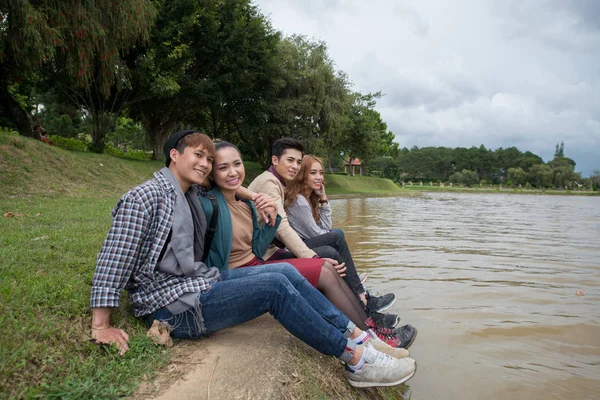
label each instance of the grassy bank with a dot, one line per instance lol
(47, 258)
(505, 190)
(60, 203)
(30, 168)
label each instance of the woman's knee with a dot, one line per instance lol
(327, 275)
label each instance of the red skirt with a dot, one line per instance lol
(310, 268)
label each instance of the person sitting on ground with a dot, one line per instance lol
(286, 162)
(153, 250)
(309, 214)
(247, 244)
(46, 138)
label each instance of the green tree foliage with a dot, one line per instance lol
(541, 176)
(517, 176)
(469, 177)
(127, 135)
(81, 41)
(366, 133)
(456, 178)
(209, 64)
(595, 180)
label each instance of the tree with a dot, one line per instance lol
(595, 180)
(517, 176)
(541, 176)
(82, 41)
(469, 178)
(209, 65)
(366, 135)
(560, 150)
(456, 178)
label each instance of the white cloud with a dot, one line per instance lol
(468, 72)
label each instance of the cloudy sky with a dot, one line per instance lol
(501, 73)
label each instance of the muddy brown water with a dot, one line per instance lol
(490, 281)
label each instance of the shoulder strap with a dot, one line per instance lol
(212, 226)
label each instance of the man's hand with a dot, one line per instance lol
(111, 335)
(340, 268)
(269, 214)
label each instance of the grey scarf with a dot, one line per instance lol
(184, 251)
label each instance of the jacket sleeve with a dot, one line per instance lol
(120, 251)
(301, 218)
(285, 233)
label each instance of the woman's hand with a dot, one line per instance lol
(321, 192)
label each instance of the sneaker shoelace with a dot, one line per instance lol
(385, 331)
(383, 360)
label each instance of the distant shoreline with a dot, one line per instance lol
(418, 191)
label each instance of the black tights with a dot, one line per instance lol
(339, 294)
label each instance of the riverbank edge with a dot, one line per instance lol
(222, 366)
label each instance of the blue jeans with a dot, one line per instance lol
(247, 293)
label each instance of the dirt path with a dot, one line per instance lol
(250, 361)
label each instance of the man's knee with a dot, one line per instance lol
(338, 233)
(278, 282)
(327, 252)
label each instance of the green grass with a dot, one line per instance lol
(30, 168)
(320, 378)
(504, 190)
(47, 258)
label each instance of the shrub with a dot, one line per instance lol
(8, 131)
(131, 154)
(69, 143)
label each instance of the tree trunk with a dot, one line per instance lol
(329, 155)
(18, 115)
(157, 133)
(102, 124)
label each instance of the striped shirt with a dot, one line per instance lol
(142, 220)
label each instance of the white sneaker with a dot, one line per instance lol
(383, 347)
(381, 369)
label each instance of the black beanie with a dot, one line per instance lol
(172, 142)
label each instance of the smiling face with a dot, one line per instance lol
(314, 178)
(228, 170)
(288, 164)
(192, 166)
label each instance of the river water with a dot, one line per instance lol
(490, 282)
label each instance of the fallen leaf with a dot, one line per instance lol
(160, 333)
(37, 215)
(10, 214)
(579, 292)
(42, 238)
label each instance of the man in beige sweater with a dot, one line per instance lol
(285, 166)
(286, 159)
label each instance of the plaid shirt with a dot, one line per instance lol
(142, 220)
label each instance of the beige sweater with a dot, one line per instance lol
(269, 184)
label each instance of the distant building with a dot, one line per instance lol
(355, 163)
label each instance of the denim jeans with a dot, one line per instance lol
(247, 293)
(336, 240)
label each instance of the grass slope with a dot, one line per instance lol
(29, 168)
